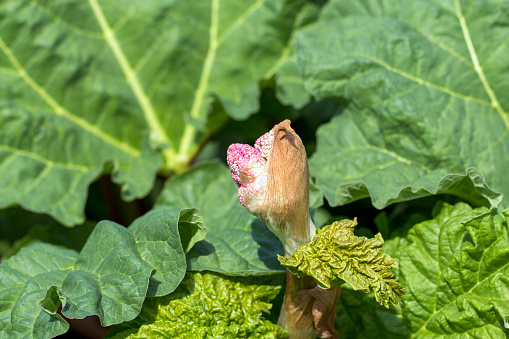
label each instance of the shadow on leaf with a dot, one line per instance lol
(270, 246)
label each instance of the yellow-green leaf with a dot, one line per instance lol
(337, 255)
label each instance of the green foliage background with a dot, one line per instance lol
(122, 112)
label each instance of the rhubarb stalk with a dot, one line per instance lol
(273, 184)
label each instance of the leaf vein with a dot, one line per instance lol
(477, 67)
(240, 20)
(133, 81)
(61, 111)
(495, 52)
(389, 153)
(444, 47)
(426, 83)
(201, 90)
(39, 158)
(64, 22)
(35, 181)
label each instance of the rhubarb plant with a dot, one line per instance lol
(151, 183)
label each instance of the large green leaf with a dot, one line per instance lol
(24, 281)
(84, 83)
(290, 85)
(237, 243)
(111, 276)
(359, 316)
(425, 86)
(160, 244)
(206, 306)
(456, 269)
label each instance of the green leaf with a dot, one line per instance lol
(54, 298)
(31, 228)
(455, 268)
(290, 89)
(236, 243)
(206, 305)
(360, 316)
(84, 84)
(111, 276)
(192, 228)
(160, 245)
(373, 172)
(24, 281)
(315, 196)
(424, 83)
(45, 326)
(336, 255)
(290, 85)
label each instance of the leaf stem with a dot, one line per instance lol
(295, 318)
(197, 113)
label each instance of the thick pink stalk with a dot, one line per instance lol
(308, 311)
(273, 184)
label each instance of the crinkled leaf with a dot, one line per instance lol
(110, 277)
(425, 86)
(455, 268)
(84, 83)
(206, 305)
(236, 243)
(335, 255)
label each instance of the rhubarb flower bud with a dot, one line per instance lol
(273, 184)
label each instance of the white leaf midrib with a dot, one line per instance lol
(200, 93)
(132, 79)
(477, 66)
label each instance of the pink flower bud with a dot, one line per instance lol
(248, 167)
(273, 183)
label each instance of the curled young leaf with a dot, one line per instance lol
(336, 254)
